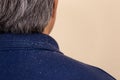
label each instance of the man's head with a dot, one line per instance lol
(27, 16)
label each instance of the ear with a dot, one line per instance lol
(50, 25)
(55, 8)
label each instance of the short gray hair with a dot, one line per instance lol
(24, 16)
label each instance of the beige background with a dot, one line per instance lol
(89, 31)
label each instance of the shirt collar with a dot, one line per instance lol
(36, 40)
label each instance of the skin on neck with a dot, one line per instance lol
(50, 25)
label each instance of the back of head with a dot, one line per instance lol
(24, 16)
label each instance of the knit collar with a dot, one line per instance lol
(33, 41)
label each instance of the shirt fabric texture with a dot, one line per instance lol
(37, 57)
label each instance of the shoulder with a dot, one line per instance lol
(65, 67)
(47, 65)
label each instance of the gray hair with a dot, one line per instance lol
(24, 16)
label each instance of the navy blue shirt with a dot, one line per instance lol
(37, 57)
